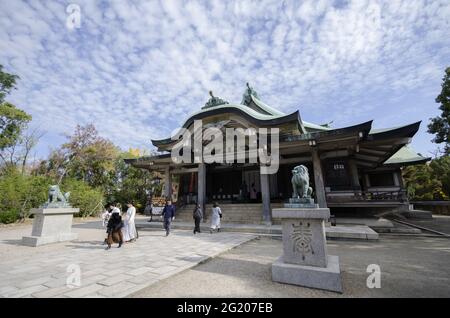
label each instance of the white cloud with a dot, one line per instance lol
(136, 69)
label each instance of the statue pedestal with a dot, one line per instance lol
(51, 225)
(305, 260)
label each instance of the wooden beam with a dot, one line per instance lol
(184, 170)
(388, 142)
(334, 154)
(367, 157)
(366, 164)
(295, 160)
(372, 151)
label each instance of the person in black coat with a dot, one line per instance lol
(169, 215)
(114, 230)
(198, 215)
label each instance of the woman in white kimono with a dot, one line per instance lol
(129, 229)
(215, 218)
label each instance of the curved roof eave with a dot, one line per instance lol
(363, 128)
(267, 108)
(249, 114)
(276, 112)
(315, 126)
(402, 131)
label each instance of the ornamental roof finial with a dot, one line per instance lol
(246, 98)
(214, 101)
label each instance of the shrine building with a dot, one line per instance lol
(352, 169)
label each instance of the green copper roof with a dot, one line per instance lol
(214, 101)
(266, 107)
(405, 155)
(243, 108)
(315, 126)
(269, 112)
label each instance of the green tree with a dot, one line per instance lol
(12, 119)
(440, 125)
(7, 83)
(129, 183)
(89, 200)
(20, 193)
(428, 181)
(90, 157)
(85, 156)
(441, 171)
(17, 155)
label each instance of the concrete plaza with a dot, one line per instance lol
(226, 264)
(43, 271)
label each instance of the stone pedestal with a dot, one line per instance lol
(51, 225)
(305, 260)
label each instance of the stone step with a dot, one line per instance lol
(332, 232)
(232, 213)
(417, 214)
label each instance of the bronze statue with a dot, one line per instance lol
(56, 199)
(300, 183)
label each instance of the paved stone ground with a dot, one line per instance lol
(359, 232)
(43, 271)
(410, 267)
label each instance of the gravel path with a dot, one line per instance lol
(410, 267)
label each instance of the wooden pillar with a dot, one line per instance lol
(400, 178)
(353, 172)
(167, 183)
(265, 196)
(201, 193)
(318, 179)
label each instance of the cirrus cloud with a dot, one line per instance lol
(136, 69)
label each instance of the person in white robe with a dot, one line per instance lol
(215, 218)
(129, 229)
(105, 216)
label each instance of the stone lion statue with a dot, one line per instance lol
(56, 197)
(300, 182)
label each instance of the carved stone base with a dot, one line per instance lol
(326, 278)
(301, 200)
(305, 261)
(301, 203)
(51, 225)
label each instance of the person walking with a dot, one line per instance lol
(129, 228)
(115, 208)
(149, 210)
(106, 215)
(198, 215)
(168, 214)
(215, 218)
(114, 230)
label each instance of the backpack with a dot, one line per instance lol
(198, 213)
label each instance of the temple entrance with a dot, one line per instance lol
(188, 188)
(223, 185)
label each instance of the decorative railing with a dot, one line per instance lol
(373, 196)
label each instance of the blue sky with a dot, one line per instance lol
(137, 69)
